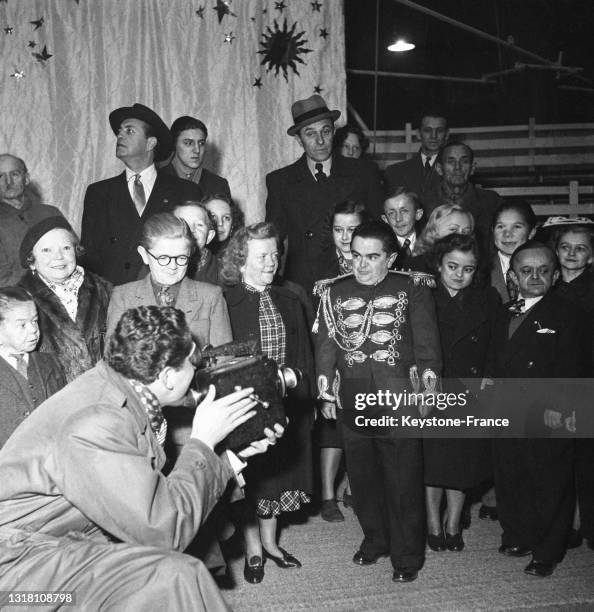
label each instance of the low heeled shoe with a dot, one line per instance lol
(287, 561)
(436, 542)
(454, 542)
(514, 551)
(253, 570)
(541, 569)
(405, 574)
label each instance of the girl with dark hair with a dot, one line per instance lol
(350, 141)
(466, 319)
(513, 224)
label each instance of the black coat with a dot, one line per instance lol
(410, 174)
(111, 227)
(466, 326)
(209, 183)
(298, 205)
(77, 345)
(288, 466)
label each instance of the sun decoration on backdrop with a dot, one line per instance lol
(282, 48)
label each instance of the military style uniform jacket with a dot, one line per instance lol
(377, 334)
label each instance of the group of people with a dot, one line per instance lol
(406, 282)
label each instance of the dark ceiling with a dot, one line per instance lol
(544, 27)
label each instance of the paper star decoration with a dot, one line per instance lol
(43, 56)
(37, 23)
(318, 89)
(315, 6)
(229, 38)
(200, 12)
(9, 30)
(280, 6)
(32, 44)
(257, 82)
(222, 9)
(323, 33)
(18, 74)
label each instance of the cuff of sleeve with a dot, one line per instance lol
(237, 466)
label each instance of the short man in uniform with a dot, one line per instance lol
(189, 141)
(376, 331)
(20, 209)
(419, 174)
(301, 195)
(116, 208)
(455, 165)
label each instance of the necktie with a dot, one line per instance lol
(403, 253)
(517, 307)
(512, 288)
(21, 364)
(139, 197)
(427, 165)
(320, 174)
(405, 248)
(164, 297)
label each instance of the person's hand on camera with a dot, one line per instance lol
(261, 446)
(216, 419)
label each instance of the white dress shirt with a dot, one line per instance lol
(147, 177)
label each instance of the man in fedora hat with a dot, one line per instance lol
(115, 208)
(301, 195)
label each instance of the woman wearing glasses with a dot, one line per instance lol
(166, 246)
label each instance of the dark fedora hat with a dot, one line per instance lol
(139, 111)
(308, 111)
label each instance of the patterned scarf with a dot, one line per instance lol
(153, 409)
(273, 334)
(344, 265)
(67, 291)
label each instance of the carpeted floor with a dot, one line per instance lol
(475, 579)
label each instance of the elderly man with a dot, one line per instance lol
(301, 195)
(84, 505)
(20, 209)
(115, 209)
(455, 165)
(189, 139)
(418, 174)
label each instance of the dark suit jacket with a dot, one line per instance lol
(111, 227)
(19, 397)
(210, 183)
(298, 205)
(410, 174)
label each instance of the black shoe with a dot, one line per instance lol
(287, 561)
(404, 574)
(542, 569)
(253, 570)
(455, 543)
(331, 512)
(574, 539)
(347, 501)
(514, 551)
(436, 542)
(488, 513)
(361, 558)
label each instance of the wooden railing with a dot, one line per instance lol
(551, 165)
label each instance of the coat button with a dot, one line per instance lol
(474, 338)
(473, 370)
(113, 240)
(309, 235)
(530, 364)
(127, 265)
(26, 412)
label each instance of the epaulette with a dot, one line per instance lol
(422, 279)
(323, 283)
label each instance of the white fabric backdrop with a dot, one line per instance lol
(111, 53)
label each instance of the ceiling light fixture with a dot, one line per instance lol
(401, 45)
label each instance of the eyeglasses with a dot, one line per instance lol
(165, 260)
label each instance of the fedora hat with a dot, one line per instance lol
(139, 111)
(308, 111)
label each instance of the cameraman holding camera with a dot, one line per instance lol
(84, 507)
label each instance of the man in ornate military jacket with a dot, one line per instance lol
(376, 330)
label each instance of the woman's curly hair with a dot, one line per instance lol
(237, 216)
(148, 339)
(466, 243)
(236, 252)
(429, 234)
